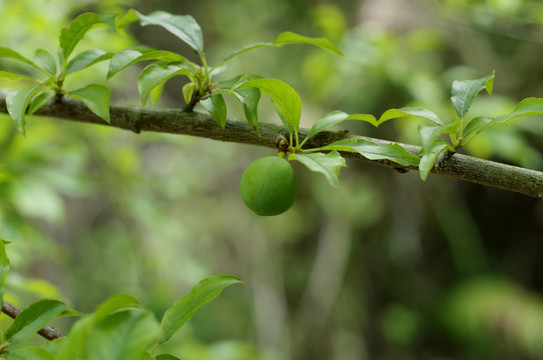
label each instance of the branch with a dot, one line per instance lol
(175, 121)
(47, 332)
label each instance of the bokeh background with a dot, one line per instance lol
(383, 267)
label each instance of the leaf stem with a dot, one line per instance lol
(290, 141)
(206, 69)
(312, 150)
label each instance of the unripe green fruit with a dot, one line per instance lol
(269, 186)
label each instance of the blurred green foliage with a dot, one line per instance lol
(383, 267)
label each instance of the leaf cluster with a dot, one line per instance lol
(246, 88)
(459, 132)
(120, 328)
(54, 68)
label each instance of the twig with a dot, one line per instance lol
(175, 121)
(47, 332)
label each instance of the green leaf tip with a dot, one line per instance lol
(464, 92)
(183, 27)
(96, 97)
(327, 164)
(528, 106)
(17, 102)
(288, 37)
(216, 107)
(70, 37)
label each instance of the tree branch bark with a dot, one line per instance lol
(175, 121)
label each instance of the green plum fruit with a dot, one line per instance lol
(269, 186)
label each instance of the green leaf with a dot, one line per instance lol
(364, 117)
(247, 96)
(453, 127)
(413, 111)
(372, 151)
(156, 92)
(328, 164)
(80, 331)
(288, 37)
(166, 357)
(285, 99)
(128, 18)
(241, 51)
(528, 106)
(115, 304)
(326, 122)
(236, 82)
(285, 38)
(188, 90)
(30, 353)
(69, 38)
(397, 113)
(123, 335)
(4, 269)
(429, 158)
(46, 61)
(86, 59)
(96, 97)
(250, 97)
(475, 126)
(72, 346)
(182, 26)
(465, 91)
(40, 101)
(432, 146)
(11, 54)
(429, 135)
(183, 309)
(6, 75)
(34, 318)
(17, 101)
(216, 107)
(109, 19)
(155, 74)
(127, 57)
